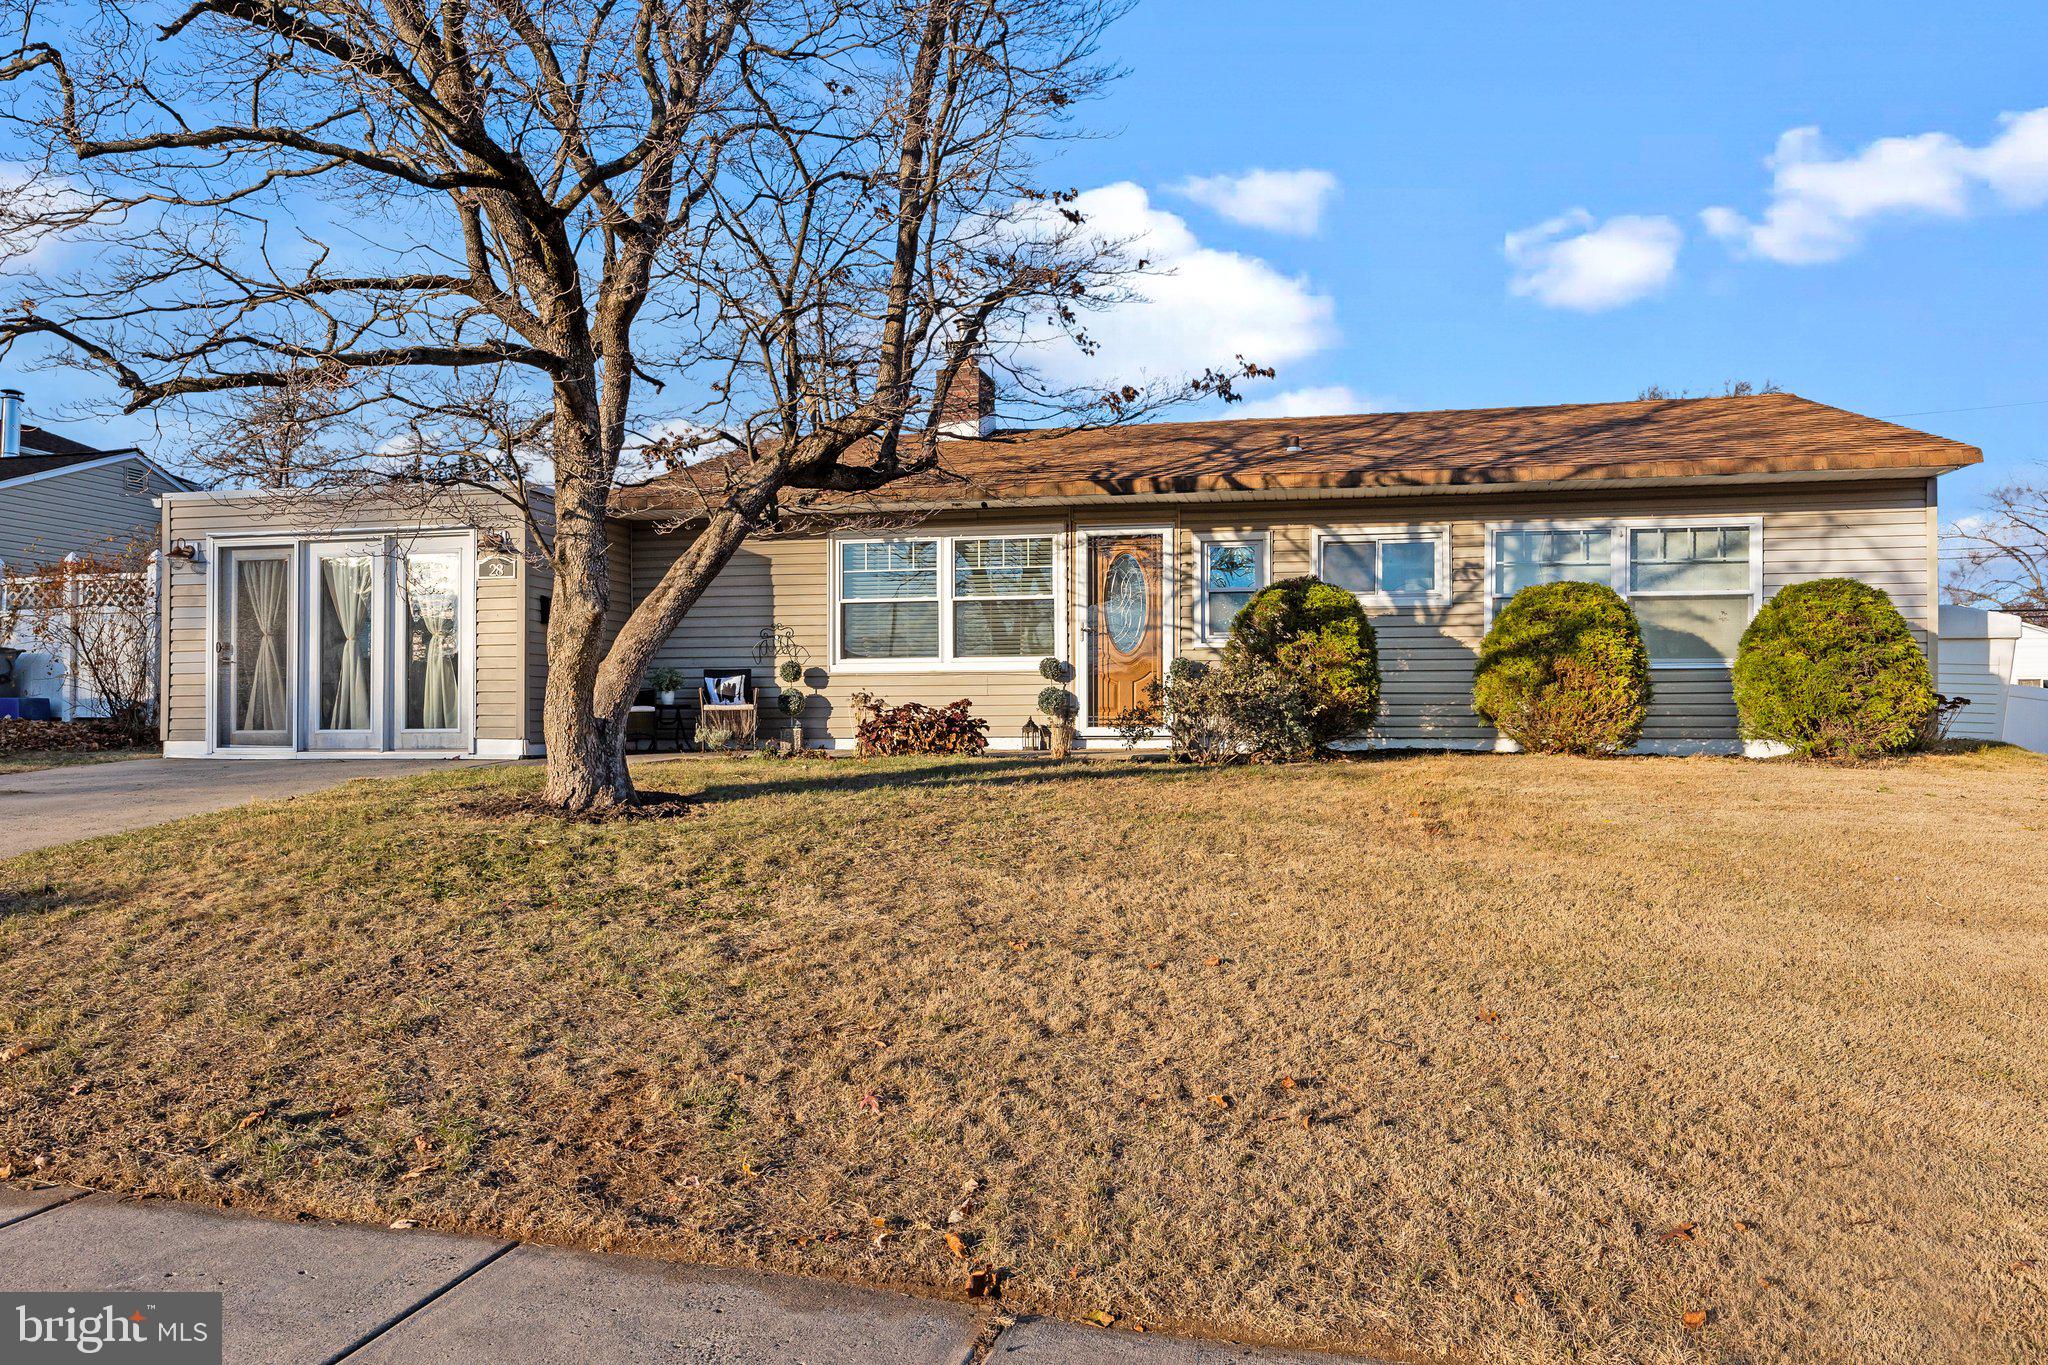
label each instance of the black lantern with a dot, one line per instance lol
(1036, 736)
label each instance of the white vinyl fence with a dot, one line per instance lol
(48, 668)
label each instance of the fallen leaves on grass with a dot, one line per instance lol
(1682, 1233)
(1694, 1319)
(1098, 1317)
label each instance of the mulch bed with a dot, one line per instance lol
(62, 736)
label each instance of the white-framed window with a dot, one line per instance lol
(979, 601)
(1388, 566)
(1694, 584)
(1003, 602)
(1229, 570)
(888, 599)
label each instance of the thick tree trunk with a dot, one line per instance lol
(658, 614)
(586, 742)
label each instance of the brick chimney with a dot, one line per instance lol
(10, 423)
(968, 407)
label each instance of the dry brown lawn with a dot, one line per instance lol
(1483, 1058)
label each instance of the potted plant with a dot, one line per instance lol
(1058, 704)
(666, 682)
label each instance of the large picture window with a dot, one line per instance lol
(946, 598)
(1692, 585)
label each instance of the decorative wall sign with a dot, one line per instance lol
(496, 566)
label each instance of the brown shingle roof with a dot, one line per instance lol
(1680, 438)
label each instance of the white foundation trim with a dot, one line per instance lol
(505, 748)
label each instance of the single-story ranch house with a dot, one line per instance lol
(290, 627)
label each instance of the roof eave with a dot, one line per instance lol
(1211, 489)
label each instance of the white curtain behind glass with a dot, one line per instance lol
(431, 601)
(348, 589)
(263, 585)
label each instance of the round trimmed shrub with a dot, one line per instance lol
(1319, 635)
(1563, 671)
(1058, 703)
(1830, 669)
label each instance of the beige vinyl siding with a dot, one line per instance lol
(1872, 531)
(500, 633)
(1876, 531)
(77, 511)
(774, 582)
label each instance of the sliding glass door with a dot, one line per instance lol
(430, 603)
(347, 619)
(357, 645)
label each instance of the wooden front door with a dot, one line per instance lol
(1127, 620)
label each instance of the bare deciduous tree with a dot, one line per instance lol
(483, 232)
(1999, 557)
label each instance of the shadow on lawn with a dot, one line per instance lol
(830, 776)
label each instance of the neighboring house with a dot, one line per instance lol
(61, 497)
(1116, 550)
(1998, 661)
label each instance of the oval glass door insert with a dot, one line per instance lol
(1124, 606)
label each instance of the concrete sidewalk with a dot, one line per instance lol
(82, 801)
(319, 1292)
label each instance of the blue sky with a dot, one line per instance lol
(1415, 141)
(1448, 127)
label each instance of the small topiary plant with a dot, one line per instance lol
(1318, 635)
(1563, 670)
(1830, 669)
(1058, 703)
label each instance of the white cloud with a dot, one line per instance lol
(1323, 400)
(1821, 203)
(1196, 307)
(1279, 201)
(1574, 261)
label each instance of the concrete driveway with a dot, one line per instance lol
(58, 805)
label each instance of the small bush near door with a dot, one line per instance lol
(1830, 669)
(1242, 710)
(1563, 670)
